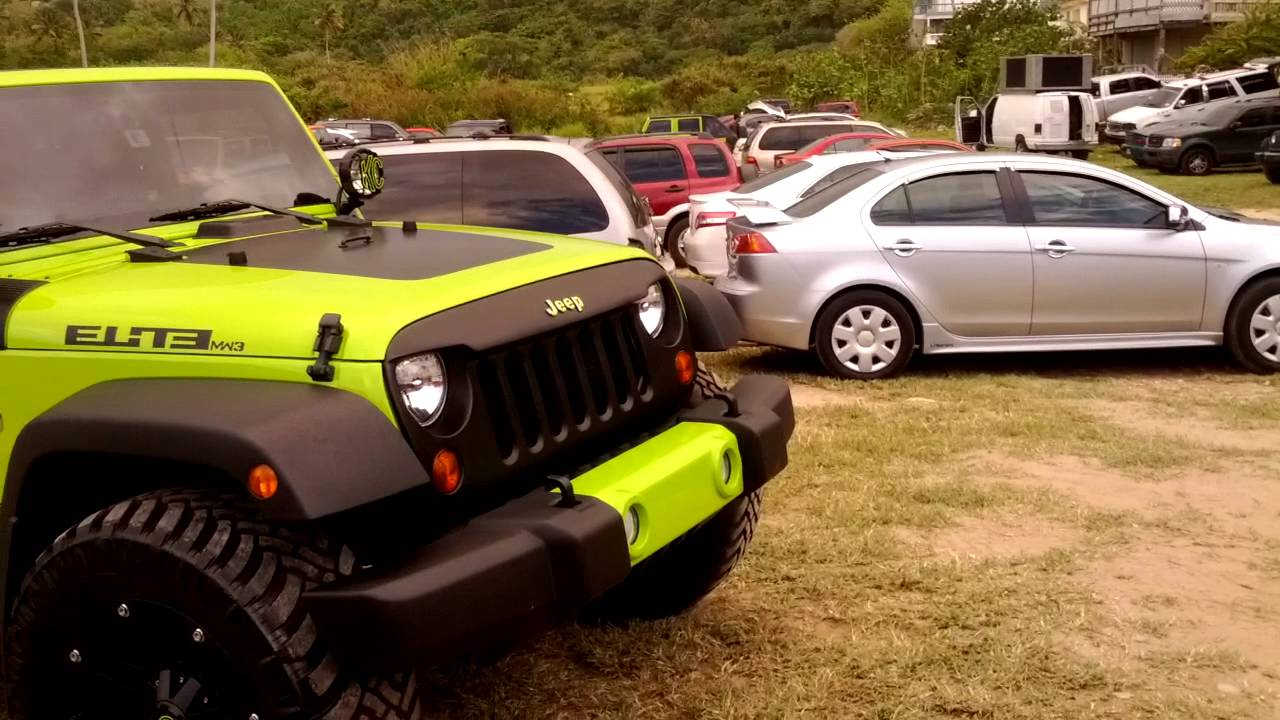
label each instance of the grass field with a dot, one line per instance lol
(1030, 536)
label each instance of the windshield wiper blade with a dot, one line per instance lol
(52, 231)
(226, 207)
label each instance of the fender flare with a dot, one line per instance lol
(331, 449)
(713, 324)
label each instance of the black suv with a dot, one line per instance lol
(1222, 136)
(1269, 157)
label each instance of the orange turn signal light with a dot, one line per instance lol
(446, 472)
(686, 367)
(263, 482)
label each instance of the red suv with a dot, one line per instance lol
(667, 169)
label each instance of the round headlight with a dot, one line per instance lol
(421, 383)
(652, 309)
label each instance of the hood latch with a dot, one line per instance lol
(328, 342)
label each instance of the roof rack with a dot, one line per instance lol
(480, 136)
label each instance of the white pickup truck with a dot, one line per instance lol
(1113, 93)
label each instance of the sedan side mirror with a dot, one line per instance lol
(1176, 218)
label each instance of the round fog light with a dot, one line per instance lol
(726, 468)
(631, 524)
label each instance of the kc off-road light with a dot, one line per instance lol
(421, 383)
(652, 309)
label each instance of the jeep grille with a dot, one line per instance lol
(543, 392)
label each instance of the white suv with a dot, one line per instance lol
(521, 183)
(786, 136)
(1196, 92)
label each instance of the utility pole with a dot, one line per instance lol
(84, 51)
(213, 33)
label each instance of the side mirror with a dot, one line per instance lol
(1180, 103)
(1235, 125)
(361, 173)
(1176, 217)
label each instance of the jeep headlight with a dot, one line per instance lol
(420, 381)
(1172, 143)
(652, 309)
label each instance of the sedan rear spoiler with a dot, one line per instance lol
(760, 212)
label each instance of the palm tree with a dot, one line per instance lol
(186, 12)
(45, 24)
(329, 22)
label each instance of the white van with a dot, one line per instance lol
(1027, 122)
(1192, 92)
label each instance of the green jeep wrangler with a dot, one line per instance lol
(263, 458)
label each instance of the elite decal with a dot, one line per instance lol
(156, 338)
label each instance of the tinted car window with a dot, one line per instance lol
(823, 198)
(652, 164)
(794, 137)
(1094, 89)
(613, 155)
(658, 126)
(1257, 117)
(1121, 86)
(1145, 83)
(364, 131)
(834, 177)
(761, 182)
(529, 191)
(689, 125)
(959, 199)
(1220, 90)
(425, 187)
(892, 209)
(717, 128)
(382, 132)
(1061, 199)
(709, 161)
(636, 205)
(1261, 82)
(1193, 96)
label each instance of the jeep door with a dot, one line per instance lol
(947, 236)
(1104, 259)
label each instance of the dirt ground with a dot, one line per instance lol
(1198, 578)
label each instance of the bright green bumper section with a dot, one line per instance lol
(674, 481)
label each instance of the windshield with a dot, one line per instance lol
(117, 153)
(821, 199)
(1163, 97)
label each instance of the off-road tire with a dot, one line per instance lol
(676, 577)
(212, 562)
(673, 241)
(1273, 174)
(1239, 334)
(1080, 154)
(1187, 164)
(1020, 145)
(834, 311)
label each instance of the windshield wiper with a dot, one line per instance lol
(226, 207)
(37, 234)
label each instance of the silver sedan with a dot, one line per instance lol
(960, 253)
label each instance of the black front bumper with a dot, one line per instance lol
(513, 572)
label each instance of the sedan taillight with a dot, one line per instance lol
(709, 219)
(750, 243)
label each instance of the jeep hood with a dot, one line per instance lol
(264, 295)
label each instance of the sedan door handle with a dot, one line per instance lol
(904, 247)
(674, 189)
(1056, 248)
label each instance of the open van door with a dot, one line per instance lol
(970, 123)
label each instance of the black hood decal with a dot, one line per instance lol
(373, 252)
